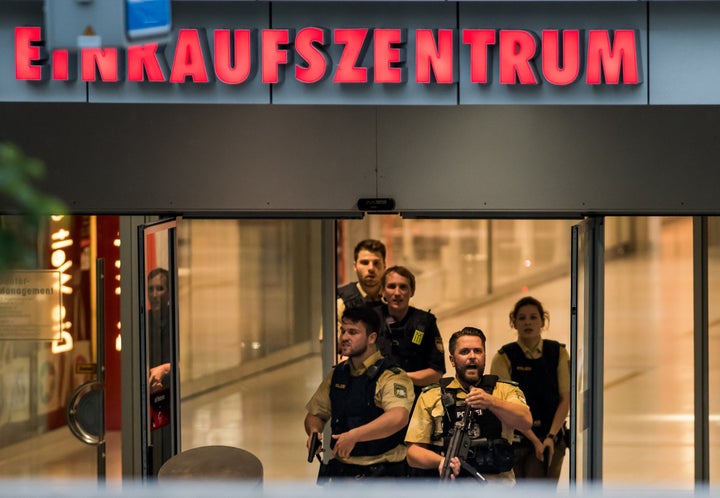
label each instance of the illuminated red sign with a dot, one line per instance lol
(557, 57)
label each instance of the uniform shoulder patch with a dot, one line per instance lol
(439, 344)
(511, 382)
(400, 391)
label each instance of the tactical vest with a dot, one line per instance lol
(395, 341)
(489, 452)
(353, 404)
(538, 380)
(351, 296)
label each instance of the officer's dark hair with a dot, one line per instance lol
(158, 271)
(403, 272)
(471, 331)
(371, 245)
(531, 301)
(365, 314)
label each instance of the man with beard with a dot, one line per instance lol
(369, 401)
(497, 408)
(409, 336)
(369, 266)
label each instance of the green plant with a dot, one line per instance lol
(18, 174)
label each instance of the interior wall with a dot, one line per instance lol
(278, 160)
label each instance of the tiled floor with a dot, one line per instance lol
(648, 372)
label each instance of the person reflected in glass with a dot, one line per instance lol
(541, 367)
(159, 348)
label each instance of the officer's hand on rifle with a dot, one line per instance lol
(454, 466)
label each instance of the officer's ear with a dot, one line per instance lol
(372, 337)
(452, 360)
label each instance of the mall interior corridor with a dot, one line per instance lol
(648, 376)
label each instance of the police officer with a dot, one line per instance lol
(542, 369)
(369, 265)
(409, 336)
(368, 401)
(496, 409)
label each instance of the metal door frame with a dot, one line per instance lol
(590, 233)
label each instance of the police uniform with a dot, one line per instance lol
(543, 373)
(393, 388)
(414, 343)
(430, 422)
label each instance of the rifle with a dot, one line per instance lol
(459, 446)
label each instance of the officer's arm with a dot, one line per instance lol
(516, 415)
(513, 411)
(425, 377)
(420, 457)
(314, 423)
(385, 425)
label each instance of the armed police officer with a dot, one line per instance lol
(368, 401)
(496, 409)
(409, 336)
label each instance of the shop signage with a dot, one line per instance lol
(347, 56)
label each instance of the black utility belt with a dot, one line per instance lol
(336, 468)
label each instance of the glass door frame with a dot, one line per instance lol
(701, 346)
(586, 343)
(168, 229)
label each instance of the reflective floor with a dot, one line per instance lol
(648, 375)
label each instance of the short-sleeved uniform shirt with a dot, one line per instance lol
(393, 389)
(428, 416)
(501, 367)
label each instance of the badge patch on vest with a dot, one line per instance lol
(417, 337)
(400, 391)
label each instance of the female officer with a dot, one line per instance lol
(542, 368)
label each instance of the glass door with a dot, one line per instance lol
(159, 389)
(586, 343)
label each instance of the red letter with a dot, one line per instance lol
(439, 57)
(64, 65)
(605, 62)
(189, 59)
(388, 56)
(272, 54)
(517, 48)
(143, 59)
(356, 44)
(28, 41)
(479, 39)
(104, 59)
(306, 45)
(233, 63)
(570, 69)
